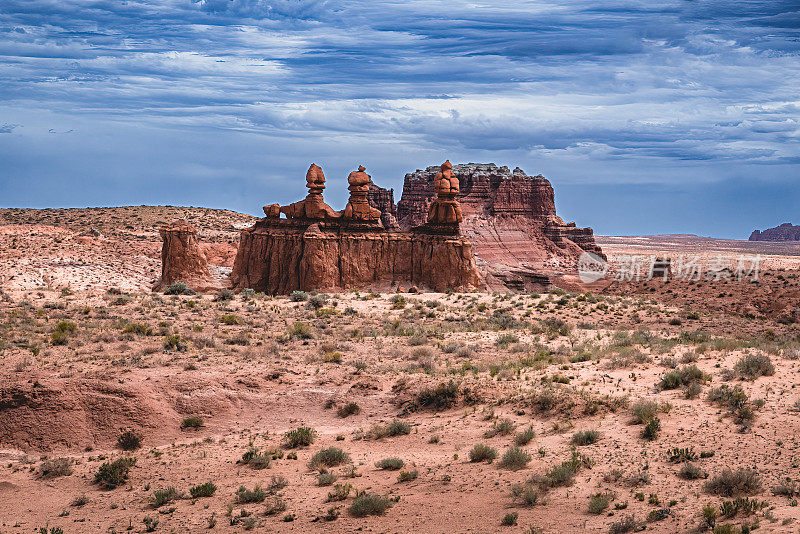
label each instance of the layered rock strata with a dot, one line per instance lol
(278, 256)
(182, 260)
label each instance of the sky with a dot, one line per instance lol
(648, 116)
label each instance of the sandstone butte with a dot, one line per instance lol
(784, 232)
(182, 260)
(455, 227)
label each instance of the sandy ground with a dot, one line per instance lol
(254, 367)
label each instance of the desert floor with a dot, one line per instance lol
(665, 406)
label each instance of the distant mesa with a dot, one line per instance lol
(785, 232)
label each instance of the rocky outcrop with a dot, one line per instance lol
(383, 200)
(784, 232)
(182, 260)
(509, 217)
(278, 256)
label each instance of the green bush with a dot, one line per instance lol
(203, 490)
(369, 504)
(514, 459)
(129, 440)
(244, 495)
(730, 483)
(525, 494)
(752, 366)
(524, 437)
(192, 422)
(164, 496)
(599, 502)
(482, 453)
(113, 474)
(139, 329)
(55, 467)
(440, 397)
(229, 319)
(178, 288)
(299, 437)
(407, 476)
(585, 437)
(300, 330)
(351, 408)
(651, 429)
(390, 464)
(683, 376)
(510, 519)
(330, 457)
(298, 296)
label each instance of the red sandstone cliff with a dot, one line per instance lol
(509, 217)
(182, 260)
(279, 256)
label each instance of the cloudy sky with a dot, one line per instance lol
(649, 116)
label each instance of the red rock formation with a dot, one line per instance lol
(784, 232)
(383, 200)
(358, 207)
(279, 256)
(510, 218)
(313, 206)
(183, 261)
(445, 209)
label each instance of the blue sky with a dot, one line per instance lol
(648, 116)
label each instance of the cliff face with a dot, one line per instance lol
(182, 260)
(510, 218)
(383, 199)
(784, 232)
(278, 256)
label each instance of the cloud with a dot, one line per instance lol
(623, 89)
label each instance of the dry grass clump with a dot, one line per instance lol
(482, 453)
(585, 437)
(730, 483)
(330, 457)
(440, 397)
(369, 504)
(752, 366)
(514, 459)
(55, 467)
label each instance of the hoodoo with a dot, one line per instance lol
(182, 260)
(316, 248)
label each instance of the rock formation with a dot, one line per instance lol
(358, 207)
(445, 208)
(383, 200)
(510, 218)
(313, 206)
(182, 260)
(784, 232)
(320, 249)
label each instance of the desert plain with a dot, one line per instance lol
(618, 406)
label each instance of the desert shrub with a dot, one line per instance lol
(525, 494)
(175, 342)
(644, 410)
(390, 464)
(395, 428)
(351, 408)
(500, 428)
(504, 340)
(741, 505)
(300, 330)
(275, 505)
(683, 376)
(651, 429)
(510, 519)
(330, 457)
(257, 459)
(514, 459)
(524, 437)
(55, 467)
(60, 334)
(229, 319)
(129, 440)
(369, 504)
(339, 492)
(658, 515)
(563, 474)
(626, 524)
(299, 437)
(317, 301)
(224, 295)
(677, 455)
(178, 288)
(730, 483)
(585, 437)
(112, 474)
(417, 339)
(192, 422)
(276, 483)
(482, 453)
(407, 476)
(244, 495)
(752, 366)
(326, 478)
(298, 296)
(164, 496)
(690, 471)
(735, 399)
(140, 329)
(440, 397)
(599, 502)
(150, 524)
(203, 490)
